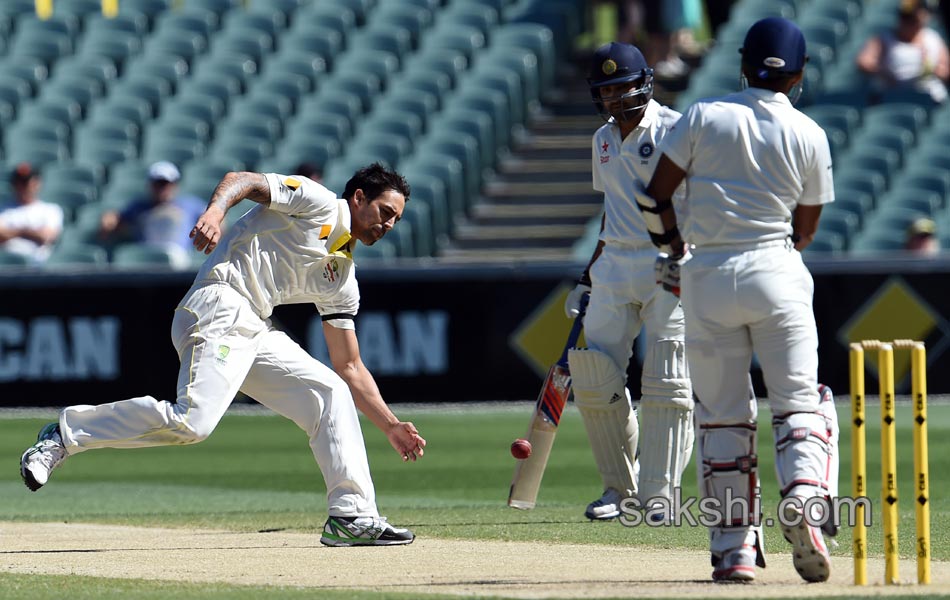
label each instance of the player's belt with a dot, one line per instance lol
(745, 247)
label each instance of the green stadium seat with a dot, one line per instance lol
(15, 88)
(289, 85)
(202, 176)
(251, 43)
(128, 20)
(827, 242)
(416, 102)
(153, 91)
(121, 105)
(38, 153)
(430, 191)
(463, 38)
(178, 151)
(852, 201)
(927, 202)
(320, 150)
(494, 104)
(104, 152)
(535, 37)
(117, 45)
(333, 105)
(480, 16)
(414, 19)
(525, 64)
(71, 173)
(360, 8)
(908, 116)
(187, 44)
(320, 125)
(451, 62)
(12, 259)
(140, 255)
(340, 19)
(383, 251)
(168, 67)
(843, 223)
(200, 105)
(885, 138)
(98, 68)
(881, 160)
(844, 117)
(383, 38)
(151, 8)
(448, 170)
(36, 129)
(417, 215)
(292, 63)
(219, 7)
(71, 89)
(244, 150)
(476, 124)
(78, 254)
(32, 71)
(192, 19)
(268, 103)
(415, 80)
(366, 87)
(504, 80)
(241, 67)
(322, 41)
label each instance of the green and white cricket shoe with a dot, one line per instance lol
(41, 458)
(363, 531)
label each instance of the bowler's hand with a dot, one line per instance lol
(405, 438)
(207, 231)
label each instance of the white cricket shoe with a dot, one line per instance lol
(363, 531)
(41, 458)
(809, 553)
(735, 566)
(606, 507)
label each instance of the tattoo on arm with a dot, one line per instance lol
(237, 186)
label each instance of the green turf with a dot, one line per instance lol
(256, 473)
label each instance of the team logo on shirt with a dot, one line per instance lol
(609, 67)
(331, 270)
(604, 157)
(221, 355)
(646, 150)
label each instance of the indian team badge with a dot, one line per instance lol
(331, 270)
(604, 156)
(609, 67)
(221, 354)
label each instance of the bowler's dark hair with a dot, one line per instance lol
(374, 180)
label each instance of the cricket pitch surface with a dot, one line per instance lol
(462, 567)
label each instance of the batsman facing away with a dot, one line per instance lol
(294, 247)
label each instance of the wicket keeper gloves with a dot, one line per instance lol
(572, 305)
(667, 271)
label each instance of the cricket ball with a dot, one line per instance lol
(521, 448)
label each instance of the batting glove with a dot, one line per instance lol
(572, 306)
(667, 271)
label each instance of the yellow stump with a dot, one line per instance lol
(921, 461)
(858, 464)
(888, 462)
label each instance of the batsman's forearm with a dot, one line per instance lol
(236, 186)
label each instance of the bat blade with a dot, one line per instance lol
(547, 415)
(526, 482)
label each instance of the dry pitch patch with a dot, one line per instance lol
(515, 569)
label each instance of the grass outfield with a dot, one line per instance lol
(256, 473)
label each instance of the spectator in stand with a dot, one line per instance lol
(310, 171)
(922, 238)
(912, 55)
(29, 226)
(162, 218)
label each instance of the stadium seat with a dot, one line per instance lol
(534, 37)
(78, 254)
(138, 255)
(429, 190)
(417, 102)
(449, 172)
(383, 251)
(475, 123)
(417, 215)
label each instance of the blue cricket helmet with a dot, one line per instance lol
(616, 63)
(774, 47)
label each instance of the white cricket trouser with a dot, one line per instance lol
(224, 346)
(624, 298)
(737, 302)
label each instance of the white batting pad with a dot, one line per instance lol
(611, 423)
(729, 473)
(826, 407)
(665, 380)
(665, 442)
(802, 454)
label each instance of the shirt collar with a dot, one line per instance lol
(767, 95)
(342, 242)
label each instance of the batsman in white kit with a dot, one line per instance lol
(295, 247)
(757, 172)
(623, 298)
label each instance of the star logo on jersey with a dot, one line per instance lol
(604, 157)
(604, 147)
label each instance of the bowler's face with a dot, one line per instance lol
(372, 219)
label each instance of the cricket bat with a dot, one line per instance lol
(547, 415)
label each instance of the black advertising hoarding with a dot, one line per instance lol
(429, 334)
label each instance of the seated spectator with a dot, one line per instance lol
(29, 226)
(162, 218)
(922, 238)
(912, 55)
(310, 171)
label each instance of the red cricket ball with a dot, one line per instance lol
(521, 448)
